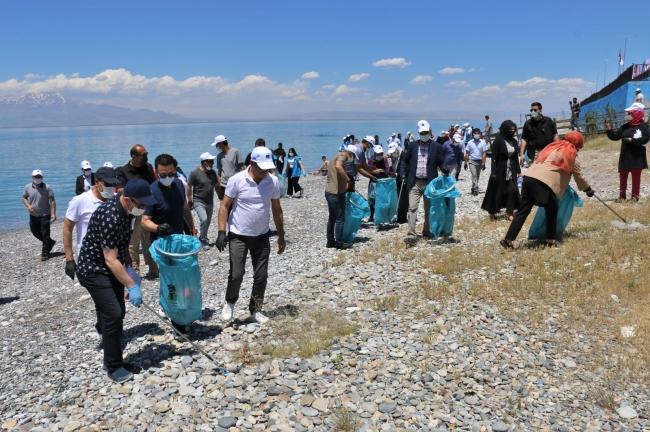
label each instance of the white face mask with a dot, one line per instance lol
(425, 137)
(477, 136)
(208, 168)
(136, 211)
(167, 181)
(37, 181)
(107, 192)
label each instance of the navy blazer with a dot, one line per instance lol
(409, 164)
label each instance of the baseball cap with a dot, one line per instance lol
(353, 149)
(423, 126)
(85, 165)
(219, 139)
(638, 89)
(393, 134)
(444, 133)
(108, 164)
(369, 139)
(139, 190)
(378, 149)
(207, 156)
(457, 138)
(263, 157)
(37, 172)
(107, 176)
(636, 106)
(465, 124)
(392, 148)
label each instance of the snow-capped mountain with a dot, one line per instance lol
(53, 109)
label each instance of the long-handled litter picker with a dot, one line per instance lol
(611, 209)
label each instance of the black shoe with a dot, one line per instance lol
(120, 375)
(507, 244)
(330, 245)
(184, 329)
(341, 245)
(50, 245)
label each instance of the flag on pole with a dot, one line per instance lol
(621, 60)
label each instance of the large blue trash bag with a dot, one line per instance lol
(356, 210)
(283, 185)
(569, 201)
(180, 277)
(385, 200)
(442, 193)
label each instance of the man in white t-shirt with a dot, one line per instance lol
(79, 211)
(250, 196)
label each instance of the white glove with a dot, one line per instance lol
(637, 134)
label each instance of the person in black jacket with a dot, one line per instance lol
(86, 180)
(538, 132)
(419, 166)
(502, 187)
(634, 136)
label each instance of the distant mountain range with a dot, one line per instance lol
(52, 109)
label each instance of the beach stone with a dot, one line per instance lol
(186, 361)
(626, 412)
(499, 426)
(162, 407)
(320, 404)
(227, 422)
(309, 411)
(387, 407)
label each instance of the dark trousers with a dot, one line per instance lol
(511, 194)
(293, 186)
(336, 219)
(534, 192)
(40, 227)
(403, 200)
(636, 182)
(108, 295)
(530, 152)
(260, 249)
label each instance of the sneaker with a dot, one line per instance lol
(259, 317)
(120, 375)
(330, 245)
(341, 245)
(45, 256)
(227, 311)
(161, 313)
(506, 244)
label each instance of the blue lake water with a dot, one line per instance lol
(59, 151)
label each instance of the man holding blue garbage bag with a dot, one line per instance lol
(102, 268)
(419, 166)
(250, 196)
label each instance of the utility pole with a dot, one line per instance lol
(624, 53)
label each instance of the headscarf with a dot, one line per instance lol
(637, 117)
(567, 150)
(504, 129)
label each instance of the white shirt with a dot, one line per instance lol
(251, 206)
(475, 149)
(79, 211)
(639, 98)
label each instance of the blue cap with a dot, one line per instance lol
(140, 191)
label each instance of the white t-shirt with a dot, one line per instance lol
(251, 206)
(79, 211)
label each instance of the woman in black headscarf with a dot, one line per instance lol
(502, 187)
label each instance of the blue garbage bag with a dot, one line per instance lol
(385, 200)
(442, 193)
(283, 185)
(569, 201)
(356, 210)
(180, 277)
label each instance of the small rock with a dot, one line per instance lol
(626, 412)
(500, 426)
(569, 363)
(186, 361)
(628, 331)
(162, 407)
(309, 412)
(17, 353)
(320, 404)
(387, 407)
(227, 422)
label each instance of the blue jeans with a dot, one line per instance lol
(336, 208)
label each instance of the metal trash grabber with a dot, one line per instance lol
(399, 196)
(196, 347)
(611, 209)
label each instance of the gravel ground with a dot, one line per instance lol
(459, 367)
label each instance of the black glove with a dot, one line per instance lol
(589, 192)
(70, 268)
(164, 229)
(483, 167)
(221, 241)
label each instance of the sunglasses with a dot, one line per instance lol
(534, 110)
(171, 175)
(37, 177)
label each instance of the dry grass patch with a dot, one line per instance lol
(386, 303)
(601, 142)
(345, 420)
(308, 334)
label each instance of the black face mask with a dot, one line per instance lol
(144, 159)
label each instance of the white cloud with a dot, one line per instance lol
(490, 90)
(457, 84)
(358, 77)
(329, 86)
(421, 79)
(395, 62)
(343, 89)
(311, 75)
(451, 70)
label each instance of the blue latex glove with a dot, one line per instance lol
(135, 295)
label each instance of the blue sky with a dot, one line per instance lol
(249, 58)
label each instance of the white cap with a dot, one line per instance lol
(207, 156)
(456, 125)
(37, 172)
(108, 164)
(352, 149)
(219, 139)
(393, 134)
(369, 139)
(378, 149)
(444, 133)
(85, 165)
(423, 126)
(636, 106)
(638, 89)
(392, 148)
(465, 125)
(263, 157)
(457, 138)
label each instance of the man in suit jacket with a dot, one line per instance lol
(420, 165)
(86, 180)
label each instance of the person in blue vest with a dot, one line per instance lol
(293, 171)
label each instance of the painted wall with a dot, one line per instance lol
(619, 99)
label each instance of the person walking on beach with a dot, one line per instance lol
(278, 158)
(545, 182)
(575, 113)
(422, 159)
(38, 199)
(487, 130)
(294, 170)
(537, 133)
(338, 183)
(229, 163)
(86, 180)
(102, 269)
(634, 136)
(249, 198)
(452, 153)
(258, 143)
(201, 187)
(475, 157)
(139, 168)
(502, 188)
(78, 214)
(457, 140)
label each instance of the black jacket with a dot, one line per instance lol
(495, 196)
(128, 172)
(79, 187)
(409, 163)
(539, 133)
(633, 153)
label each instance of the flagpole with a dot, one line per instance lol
(624, 53)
